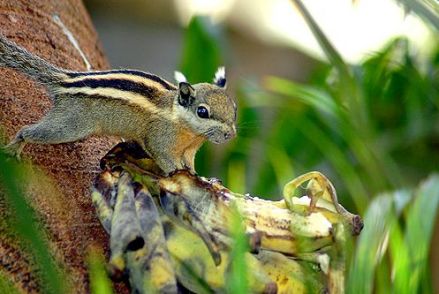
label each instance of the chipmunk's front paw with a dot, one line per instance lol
(185, 170)
(191, 170)
(185, 167)
(13, 149)
(10, 153)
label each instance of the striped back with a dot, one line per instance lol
(136, 87)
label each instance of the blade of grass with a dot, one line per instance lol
(333, 56)
(99, 282)
(399, 252)
(282, 167)
(399, 266)
(371, 245)
(383, 280)
(349, 87)
(23, 221)
(236, 176)
(237, 277)
(427, 11)
(309, 95)
(420, 223)
(432, 4)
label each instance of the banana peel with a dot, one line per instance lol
(187, 240)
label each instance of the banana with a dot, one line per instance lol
(196, 270)
(280, 228)
(289, 274)
(189, 239)
(137, 240)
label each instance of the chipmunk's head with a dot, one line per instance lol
(207, 108)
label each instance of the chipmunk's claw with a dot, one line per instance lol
(13, 151)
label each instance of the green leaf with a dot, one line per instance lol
(331, 53)
(23, 222)
(420, 223)
(281, 163)
(236, 176)
(99, 281)
(426, 9)
(400, 254)
(317, 99)
(237, 277)
(201, 51)
(408, 246)
(371, 245)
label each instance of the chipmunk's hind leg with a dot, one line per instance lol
(54, 128)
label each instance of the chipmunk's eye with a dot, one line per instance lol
(202, 112)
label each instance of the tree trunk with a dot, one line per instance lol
(63, 203)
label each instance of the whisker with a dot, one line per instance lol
(209, 132)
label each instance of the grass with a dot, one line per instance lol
(237, 280)
(99, 281)
(395, 243)
(23, 222)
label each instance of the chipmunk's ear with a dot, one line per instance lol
(179, 77)
(220, 77)
(186, 94)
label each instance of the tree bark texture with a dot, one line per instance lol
(63, 202)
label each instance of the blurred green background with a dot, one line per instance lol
(348, 88)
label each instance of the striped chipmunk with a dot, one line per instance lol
(170, 122)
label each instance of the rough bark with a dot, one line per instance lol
(63, 203)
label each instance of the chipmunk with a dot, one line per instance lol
(169, 122)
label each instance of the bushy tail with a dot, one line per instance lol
(16, 57)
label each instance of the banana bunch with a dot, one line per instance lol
(172, 233)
